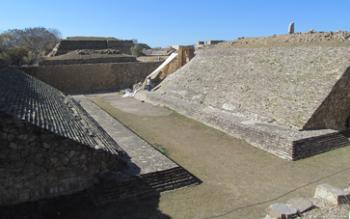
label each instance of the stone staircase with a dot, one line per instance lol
(138, 187)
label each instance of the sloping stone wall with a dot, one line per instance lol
(290, 101)
(88, 61)
(49, 146)
(44, 106)
(334, 111)
(37, 164)
(94, 78)
(283, 85)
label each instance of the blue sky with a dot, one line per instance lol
(162, 22)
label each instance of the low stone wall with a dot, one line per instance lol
(37, 164)
(284, 142)
(92, 78)
(123, 46)
(88, 61)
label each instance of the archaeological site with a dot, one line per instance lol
(103, 127)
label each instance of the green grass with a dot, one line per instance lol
(115, 113)
(161, 149)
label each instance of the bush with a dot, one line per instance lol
(26, 46)
(14, 56)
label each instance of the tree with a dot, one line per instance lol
(14, 56)
(36, 42)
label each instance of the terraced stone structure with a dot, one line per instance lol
(49, 145)
(88, 57)
(72, 44)
(292, 101)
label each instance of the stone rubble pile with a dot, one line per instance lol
(327, 198)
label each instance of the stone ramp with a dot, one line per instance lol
(147, 185)
(150, 171)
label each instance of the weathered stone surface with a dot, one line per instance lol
(291, 28)
(35, 102)
(74, 44)
(84, 79)
(265, 82)
(87, 59)
(331, 194)
(290, 101)
(46, 150)
(301, 204)
(282, 211)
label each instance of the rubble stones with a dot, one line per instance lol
(283, 211)
(68, 45)
(324, 205)
(332, 195)
(301, 204)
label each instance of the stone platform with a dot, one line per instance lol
(285, 142)
(147, 158)
(290, 101)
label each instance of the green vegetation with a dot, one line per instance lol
(26, 46)
(117, 114)
(161, 149)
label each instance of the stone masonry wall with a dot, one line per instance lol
(37, 164)
(123, 46)
(89, 61)
(283, 86)
(81, 79)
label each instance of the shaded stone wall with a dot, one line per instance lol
(37, 164)
(334, 112)
(82, 79)
(123, 46)
(89, 61)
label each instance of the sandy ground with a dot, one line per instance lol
(239, 181)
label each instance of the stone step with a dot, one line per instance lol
(143, 186)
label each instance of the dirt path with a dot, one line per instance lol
(239, 181)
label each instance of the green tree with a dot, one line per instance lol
(31, 43)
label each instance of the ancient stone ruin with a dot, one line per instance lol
(88, 56)
(49, 145)
(291, 101)
(81, 65)
(52, 146)
(78, 43)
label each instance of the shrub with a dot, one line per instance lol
(14, 56)
(26, 46)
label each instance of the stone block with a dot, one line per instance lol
(304, 124)
(283, 211)
(332, 195)
(301, 204)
